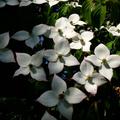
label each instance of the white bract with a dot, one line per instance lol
(31, 64)
(75, 20)
(87, 77)
(8, 2)
(62, 28)
(59, 56)
(104, 61)
(62, 97)
(82, 41)
(31, 40)
(114, 30)
(6, 55)
(47, 116)
(50, 2)
(25, 2)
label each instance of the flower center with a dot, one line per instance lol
(60, 32)
(61, 96)
(82, 42)
(104, 62)
(61, 59)
(88, 78)
(32, 68)
(118, 30)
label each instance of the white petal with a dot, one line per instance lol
(86, 47)
(22, 70)
(37, 58)
(32, 41)
(101, 51)
(6, 56)
(61, 22)
(91, 88)
(74, 95)
(23, 59)
(65, 109)
(4, 40)
(94, 60)
(81, 23)
(86, 68)
(39, 1)
(50, 55)
(58, 85)
(51, 3)
(21, 35)
(70, 60)
(12, 2)
(47, 116)
(48, 99)
(74, 18)
(87, 35)
(114, 61)
(69, 33)
(2, 4)
(106, 72)
(40, 29)
(79, 78)
(62, 47)
(38, 74)
(25, 3)
(55, 67)
(53, 32)
(98, 79)
(118, 26)
(75, 45)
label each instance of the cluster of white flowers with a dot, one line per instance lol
(65, 38)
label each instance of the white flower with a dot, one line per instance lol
(47, 116)
(62, 28)
(82, 41)
(31, 64)
(104, 61)
(114, 30)
(62, 97)
(31, 40)
(51, 2)
(75, 20)
(6, 55)
(59, 56)
(8, 2)
(74, 4)
(87, 77)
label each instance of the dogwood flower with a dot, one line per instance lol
(47, 116)
(114, 30)
(87, 77)
(31, 40)
(8, 2)
(59, 56)
(50, 2)
(62, 28)
(82, 41)
(104, 61)
(31, 64)
(75, 20)
(6, 55)
(62, 97)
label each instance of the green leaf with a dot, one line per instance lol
(98, 15)
(110, 44)
(87, 8)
